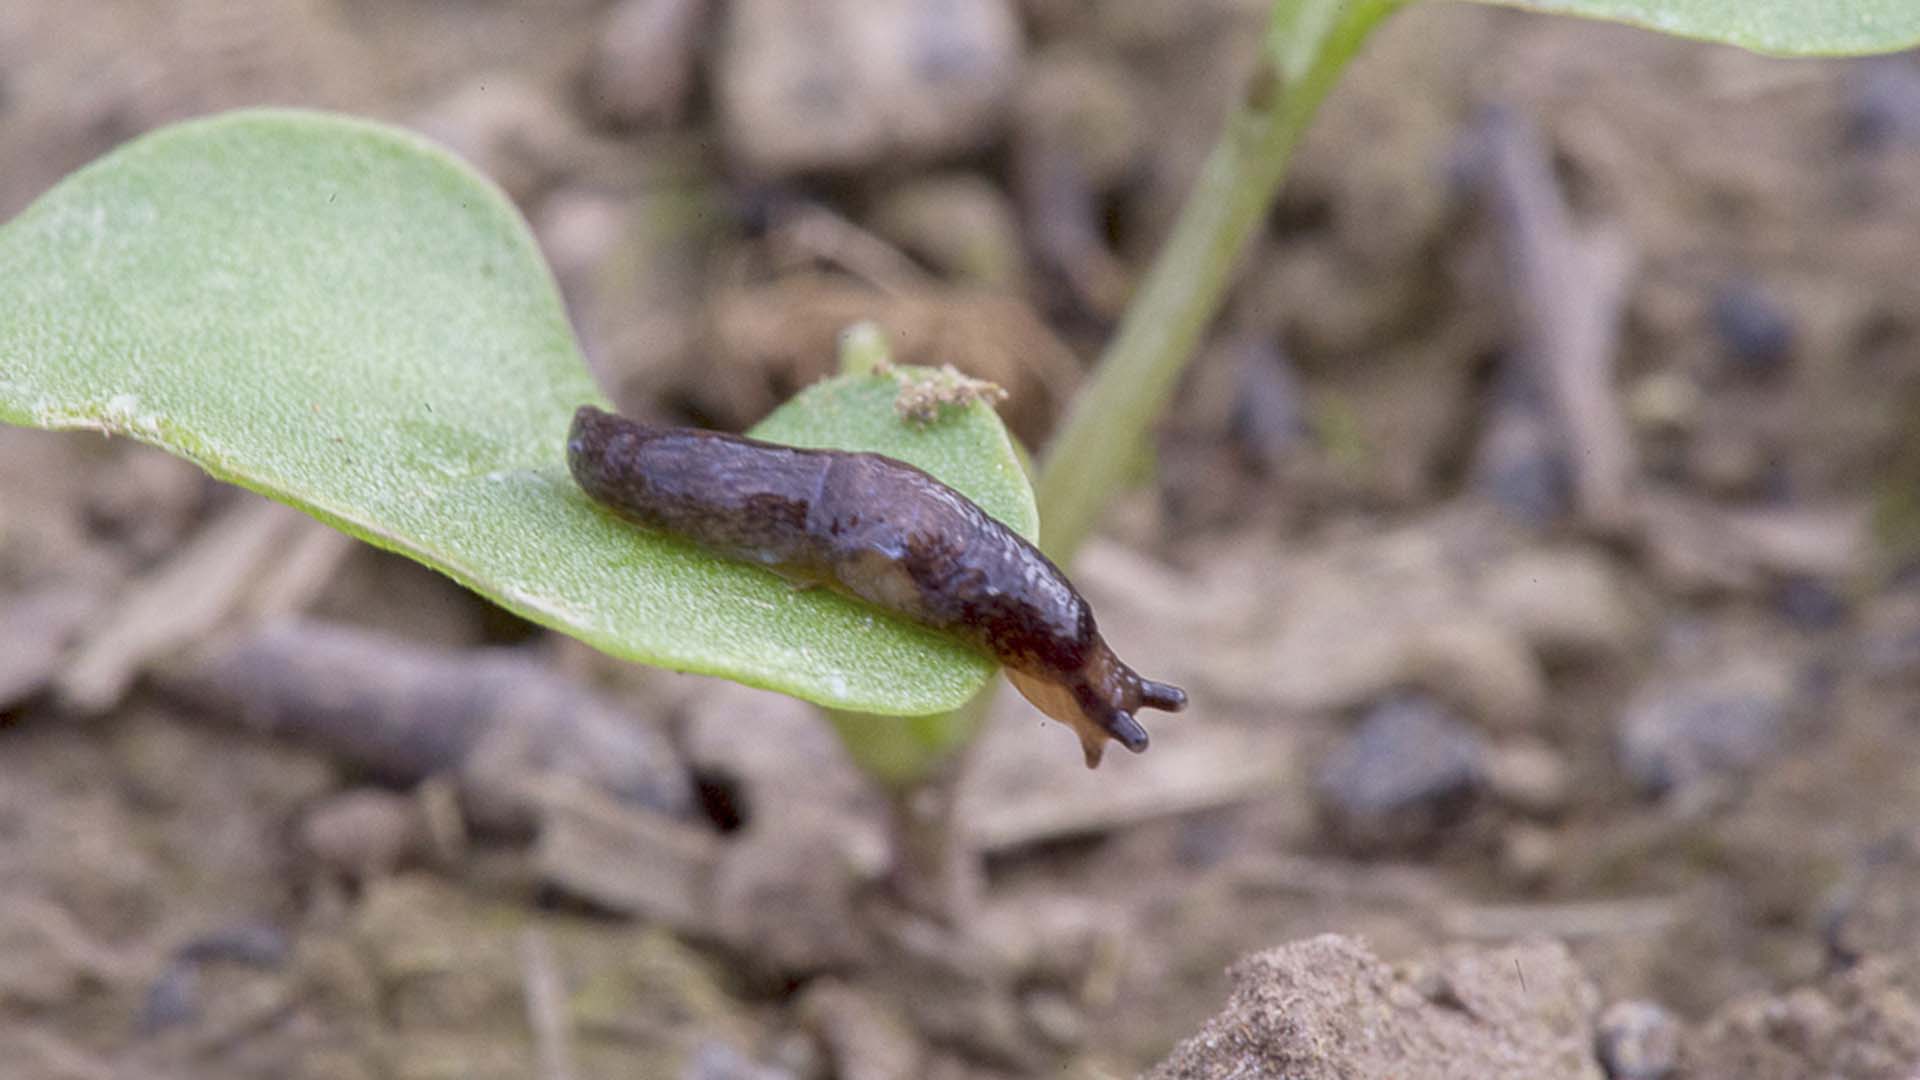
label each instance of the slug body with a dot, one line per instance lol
(884, 532)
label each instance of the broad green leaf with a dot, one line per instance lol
(339, 316)
(1784, 27)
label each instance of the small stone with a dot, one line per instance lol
(1327, 1007)
(1529, 776)
(1268, 416)
(364, 834)
(1055, 1018)
(1518, 463)
(1638, 1040)
(1665, 402)
(1730, 464)
(1410, 769)
(838, 85)
(1568, 604)
(1809, 602)
(1528, 856)
(1482, 668)
(1875, 908)
(958, 223)
(643, 66)
(1754, 327)
(1883, 104)
(1678, 731)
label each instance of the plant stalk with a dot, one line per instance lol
(921, 760)
(1308, 43)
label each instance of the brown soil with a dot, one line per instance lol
(1688, 749)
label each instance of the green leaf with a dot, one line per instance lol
(1783, 27)
(339, 316)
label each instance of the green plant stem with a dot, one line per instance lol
(1308, 43)
(921, 760)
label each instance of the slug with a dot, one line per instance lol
(884, 532)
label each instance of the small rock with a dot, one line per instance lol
(1677, 731)
(1568, 604)
(1883, 104)
(1529, 855)
(1875, 909)
(1518, 463)
(960, 224)
(1754, 328)
(1055, 1018)
(1327, 1007)
(1482, 668)
(364, 834)
(1530, 777)
(1731, 464)
(1410, 769)
(1860, 1024)
(1269, 412)
(825, 85)
(1638, 1040)
(787, 891)
(1809, 603)
(642, 69)
(1665, 402)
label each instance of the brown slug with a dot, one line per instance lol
(881, 531)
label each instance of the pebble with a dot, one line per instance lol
(1269, 420)
(1410, 769)
(959, 223)
(1530, 777)
(364, 834)
(1569, 604)
(1680, 730)
(1731, 464)
(1518, 463)
(1055, 1018)
(1754, 327)
(1638, 1040)
(1809, 603)
(1528, 856)
(1666, 402)
(1482, 668)
(1874, 910)
(840, 85)
(643, 65)
(1883, 104)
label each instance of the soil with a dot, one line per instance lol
(1465, 767)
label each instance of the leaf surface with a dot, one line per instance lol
(342, 317)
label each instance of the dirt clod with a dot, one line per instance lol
(1328, 1008)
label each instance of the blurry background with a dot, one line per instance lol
(1515, 537)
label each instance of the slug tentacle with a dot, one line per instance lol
(881, 531)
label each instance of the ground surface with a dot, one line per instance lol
(1448, 698)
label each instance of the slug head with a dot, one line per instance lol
(1098, 701)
